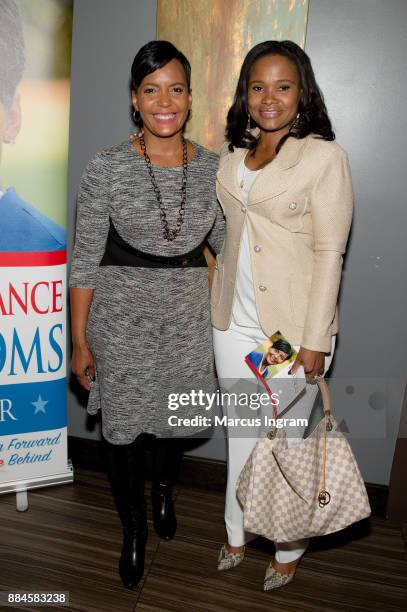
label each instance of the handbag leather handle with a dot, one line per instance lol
(326, 398)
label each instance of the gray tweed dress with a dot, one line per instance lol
(148, 328)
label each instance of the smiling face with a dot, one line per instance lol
(275, 356)
(163, 100)
(274, 93)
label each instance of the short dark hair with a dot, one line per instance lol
(151, 57)
(283, 345)
(11, 50)
(313, 114)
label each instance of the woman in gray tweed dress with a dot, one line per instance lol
(139, 290)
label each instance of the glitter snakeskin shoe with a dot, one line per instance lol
(274, 580)
(227, 560)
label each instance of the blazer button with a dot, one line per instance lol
(262, 288)
(243, 209)
(257, 248)
(293, 205)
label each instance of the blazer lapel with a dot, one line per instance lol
(276, 176)
(272, 181)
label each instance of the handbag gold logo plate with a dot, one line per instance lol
(323, 498)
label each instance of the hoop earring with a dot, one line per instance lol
(136, 116)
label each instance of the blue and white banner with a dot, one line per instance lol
(35, 41)
(33, 422)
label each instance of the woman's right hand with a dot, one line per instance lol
(83, 366)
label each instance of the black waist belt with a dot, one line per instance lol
(118, 252)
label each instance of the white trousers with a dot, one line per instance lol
(231, 347)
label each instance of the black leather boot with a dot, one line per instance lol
(126, 472)
(167, 454)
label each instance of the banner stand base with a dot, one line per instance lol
(22, 501)
(21, 487)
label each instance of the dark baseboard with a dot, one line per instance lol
(378, 496)
(195, 471)
(87, 454)
(397, 504)
(209, 474)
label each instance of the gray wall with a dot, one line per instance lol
(357, 48)
(106, 37)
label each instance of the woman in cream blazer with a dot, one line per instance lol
(286, 192)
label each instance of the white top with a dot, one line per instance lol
(244, 306)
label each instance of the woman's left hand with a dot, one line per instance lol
(313, 363)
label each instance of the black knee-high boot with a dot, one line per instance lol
(167, 454)
(126, 472)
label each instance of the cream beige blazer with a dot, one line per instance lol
(298, 219)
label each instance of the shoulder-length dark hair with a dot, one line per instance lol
(313, 114)
(151, 57)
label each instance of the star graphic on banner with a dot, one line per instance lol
(39, 405)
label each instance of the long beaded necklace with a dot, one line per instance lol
(169, 234)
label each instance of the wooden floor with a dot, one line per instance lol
(70, 540)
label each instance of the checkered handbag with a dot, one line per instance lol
(311, 489)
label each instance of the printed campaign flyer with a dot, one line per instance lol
(271, 361)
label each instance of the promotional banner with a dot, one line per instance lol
(34, 114)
